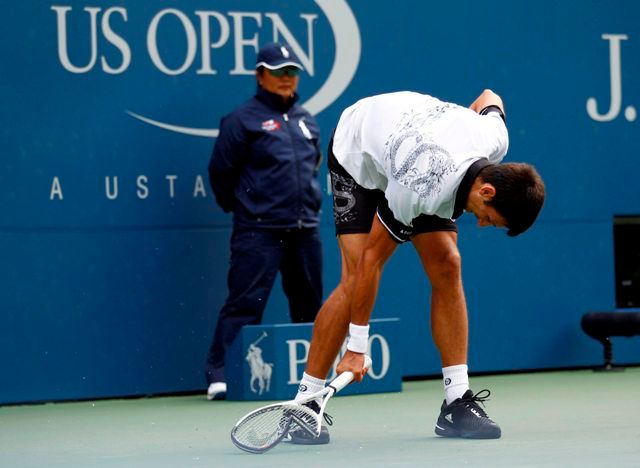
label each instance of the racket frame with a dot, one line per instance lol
(326, 393)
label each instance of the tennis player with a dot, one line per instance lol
(403, 167)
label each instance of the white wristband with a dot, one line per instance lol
(358, 338)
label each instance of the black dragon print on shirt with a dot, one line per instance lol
(415, 161)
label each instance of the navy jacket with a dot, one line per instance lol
(265, 164)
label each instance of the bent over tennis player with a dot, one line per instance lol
(403, 167)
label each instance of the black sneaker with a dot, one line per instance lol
(301, 436)
(464, 418)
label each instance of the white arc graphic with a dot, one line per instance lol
(203, 132)
(348, 47)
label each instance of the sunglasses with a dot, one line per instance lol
(289, 71)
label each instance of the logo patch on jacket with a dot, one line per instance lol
(270, 125)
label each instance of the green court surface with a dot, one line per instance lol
(568, 418)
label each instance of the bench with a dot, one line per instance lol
(601, 326)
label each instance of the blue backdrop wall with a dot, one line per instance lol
(114, 253)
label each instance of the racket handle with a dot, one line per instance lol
(345, 378)
(367, 362)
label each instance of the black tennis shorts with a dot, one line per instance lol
(355, 206)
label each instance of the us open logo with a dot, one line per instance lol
(111, 45)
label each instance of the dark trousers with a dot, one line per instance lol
(256, 257)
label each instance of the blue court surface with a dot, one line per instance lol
(564, 418)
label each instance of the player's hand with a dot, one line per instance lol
(352, 362)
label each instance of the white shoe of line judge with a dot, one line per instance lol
(217, 391)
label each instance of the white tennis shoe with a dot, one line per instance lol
(217, 391)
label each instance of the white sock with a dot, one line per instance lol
(456, 382)
(308, 386)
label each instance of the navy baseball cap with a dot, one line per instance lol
(275, 55)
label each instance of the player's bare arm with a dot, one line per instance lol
(487, 98)
(378, 248)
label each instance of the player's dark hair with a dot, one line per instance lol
(519, 194)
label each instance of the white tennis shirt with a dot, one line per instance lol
(416, 149)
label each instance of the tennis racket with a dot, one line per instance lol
(264, 428)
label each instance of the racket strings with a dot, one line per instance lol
(262, 429)
(304, 418)
(315, 406)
